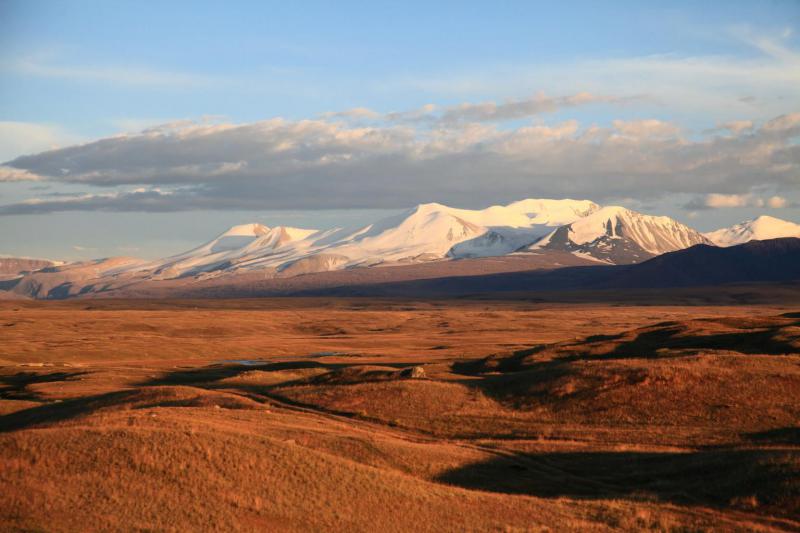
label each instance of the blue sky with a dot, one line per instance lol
(667, 76)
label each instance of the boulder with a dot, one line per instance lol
(414, 372)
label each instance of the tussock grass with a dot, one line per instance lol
(610, 418)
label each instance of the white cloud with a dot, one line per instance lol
(20, 138)
(356, 113)
(8, 174)
(760, 84)
(426, 112)
(721, 201)
(136, 125)
(771, 45)
(646, 128)
(283, 164)
(784, 123)
(777, 202)
(738, 126)
(488, 111)
(716, 201)
(516, 109)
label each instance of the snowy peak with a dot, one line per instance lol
(436, 231)
(758, 229)
(246, 230)
(281, 235)
(430, 207)
(554, 212)
(618, 235)
(521, 214)
(246, 235)
(655, 234)
(233, 249)
(236, 237)
(433, 223)
(425, 232)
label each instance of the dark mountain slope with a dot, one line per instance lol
(775, 260)
(755, 261)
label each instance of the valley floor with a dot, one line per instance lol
(363, 415)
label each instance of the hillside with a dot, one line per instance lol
(11, 267)
(356, 415)
(776, 260)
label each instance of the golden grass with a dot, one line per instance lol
(575, 418)
(106, 330)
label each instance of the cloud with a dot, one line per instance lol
(721, 201)
(308, 164)
(789, 123)
(8, 174)
(646, 128)
(356, 113)
(777, 202)
(151, 200)
(716, 201)
(760, 83)
(737, 126)
(141, 125)
(488, 111)
(518, 109)
(771, 45)
(18, 138)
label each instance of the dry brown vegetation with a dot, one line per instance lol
(121, 415)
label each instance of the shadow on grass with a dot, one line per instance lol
(746, 478)
(53, 412)
(209, 374)
(662, 340)
(790, 435)
(15, 386)
(756, 341)
(206, 378)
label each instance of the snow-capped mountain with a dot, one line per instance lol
(11, 267)
(427, 232)
(424, 233)
(758, 229)
(436, 231)
(547, 212)
(74, 278)
(236, 247)
(618, 235)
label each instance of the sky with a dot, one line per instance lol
(145, 128)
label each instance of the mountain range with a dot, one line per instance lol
(432, 240)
